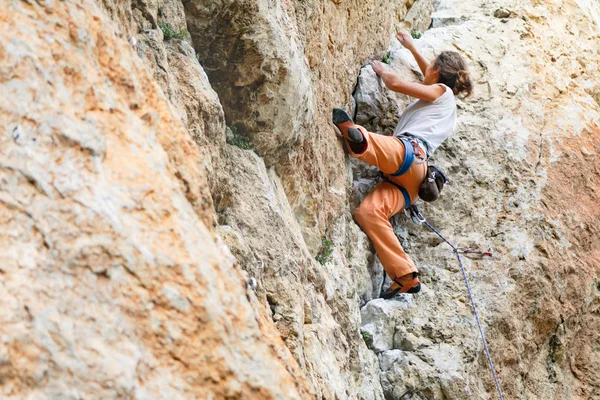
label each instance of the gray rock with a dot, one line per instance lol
(502, 13)
(255, 61)
(404, 373)
(376, 108)
(378, 324)
(407, 341)
(418, 18)
(378, 276)
(430, 374)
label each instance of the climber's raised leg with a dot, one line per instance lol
(384, 152)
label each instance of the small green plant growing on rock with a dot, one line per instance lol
(367, 337)
(170, 33)
(416, 34)
(238, 139)
(325, 253)
(387, 57)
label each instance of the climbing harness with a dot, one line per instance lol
(434, 180)
(413, 154)
(409, 157)
(412, 151)
(417, 218)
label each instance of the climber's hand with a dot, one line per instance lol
(405, 39)
(378, 67)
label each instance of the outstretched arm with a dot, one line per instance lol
(406, 40)
(395, 83)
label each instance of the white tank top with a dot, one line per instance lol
(431, 121)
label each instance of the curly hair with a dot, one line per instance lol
(453, 72)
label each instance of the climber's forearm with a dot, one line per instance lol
(390, 79)
(395, 83)
(423, 63)
(413, 89)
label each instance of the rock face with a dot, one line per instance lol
(254, 56)
(279, 67)
(112, 285)
(149, 258)
(317, 314)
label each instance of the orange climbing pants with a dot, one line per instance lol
(385, 200)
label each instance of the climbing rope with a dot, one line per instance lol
(418, 219)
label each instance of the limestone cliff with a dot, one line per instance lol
(170, 175)
(113, 285)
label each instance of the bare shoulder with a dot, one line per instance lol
(440, 89)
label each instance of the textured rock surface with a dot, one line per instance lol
(279, 67)
(318, 312)
(301, 295)
(174, 65)
(112, 285)
(111, 273)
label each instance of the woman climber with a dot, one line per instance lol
(426, 123)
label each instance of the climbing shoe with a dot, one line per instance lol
(340, 116)
(345, 124)
(406, 284)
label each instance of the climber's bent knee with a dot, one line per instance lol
(365, 215)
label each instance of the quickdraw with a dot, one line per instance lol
(475, 252)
